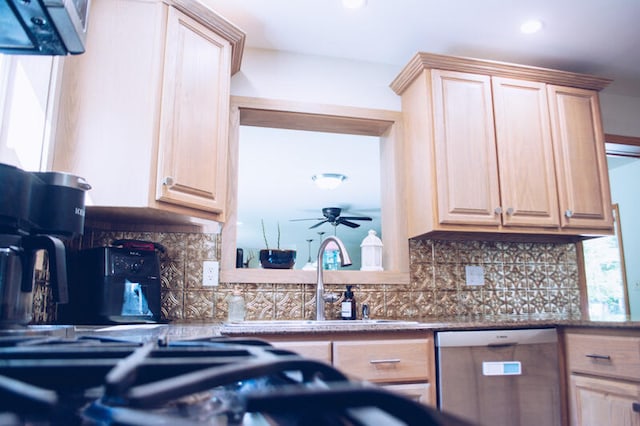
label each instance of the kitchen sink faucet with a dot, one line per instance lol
(345, 260)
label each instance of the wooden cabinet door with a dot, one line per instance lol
(465, 149)
(597, 402)
(581, 166)
(525, 153)
(193, 119)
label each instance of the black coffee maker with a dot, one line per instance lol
(37, 211)
(115, 284)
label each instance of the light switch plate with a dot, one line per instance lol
(474, 275)
(210, 273)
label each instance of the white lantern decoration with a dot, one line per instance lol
(371, 252)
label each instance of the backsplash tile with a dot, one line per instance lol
(520, 278)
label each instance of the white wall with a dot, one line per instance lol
(289, 76)
(315, 79)
(620, 114)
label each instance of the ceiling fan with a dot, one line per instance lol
(332, 216)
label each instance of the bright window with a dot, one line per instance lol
(605, 274)
(26, 94)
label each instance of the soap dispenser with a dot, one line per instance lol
(348, 307)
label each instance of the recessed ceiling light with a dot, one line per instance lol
(328, 180)
(354, 4)
(531, 26)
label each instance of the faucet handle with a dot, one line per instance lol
(365, 311)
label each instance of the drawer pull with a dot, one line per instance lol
(596, 356)
(385, 361)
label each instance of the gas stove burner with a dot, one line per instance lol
(214, 381)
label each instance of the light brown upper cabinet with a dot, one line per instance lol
(501, 148)
(144, 112)
(581, 163)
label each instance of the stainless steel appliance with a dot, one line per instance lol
(33, 214)
(500, 377)
(43, 27)
(119, 283)
(107, 378)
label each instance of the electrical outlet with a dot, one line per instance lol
(474, 275)
(210, 270)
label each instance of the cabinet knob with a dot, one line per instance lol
(509, 211)
(168, 181)
(498, 210)
(568, 213)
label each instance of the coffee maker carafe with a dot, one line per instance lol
(17, 263)
(37, 211)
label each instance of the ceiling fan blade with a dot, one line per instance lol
(355, 218)
(343, 221)
(311, 218)
(318, 224)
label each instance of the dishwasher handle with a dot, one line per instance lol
(501, 345)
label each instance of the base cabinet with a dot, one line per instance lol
(403, 365)
(603, 371)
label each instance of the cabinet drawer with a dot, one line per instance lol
(320, 351)
(419, 392)
(384, 361)
(611, 356)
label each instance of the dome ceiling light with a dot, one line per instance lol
(531, 26)
(328, 180)
(354, 4)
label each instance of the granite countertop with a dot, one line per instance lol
(188, 331)
(433, 324)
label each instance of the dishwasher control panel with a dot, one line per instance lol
(501, 368)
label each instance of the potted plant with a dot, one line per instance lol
(276, 258)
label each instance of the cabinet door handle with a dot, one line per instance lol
(509, 211)
(568, 213)
(498, 210)
(168, 181)
(636, 407)
(596, 356)
(385, 361)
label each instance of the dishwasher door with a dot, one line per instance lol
(500, 377)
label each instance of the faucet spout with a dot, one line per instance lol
(345, 260)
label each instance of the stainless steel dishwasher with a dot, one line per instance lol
(500, 377)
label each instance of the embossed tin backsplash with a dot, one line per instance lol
(519, 278)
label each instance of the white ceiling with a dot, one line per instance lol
(598, 37)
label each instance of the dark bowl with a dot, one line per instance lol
(277, 259)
